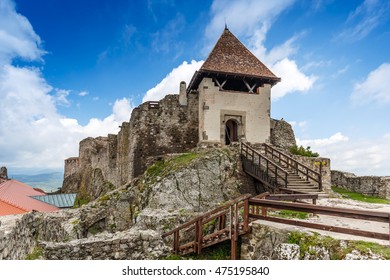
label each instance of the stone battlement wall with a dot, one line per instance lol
(154, 129)
(367, 185)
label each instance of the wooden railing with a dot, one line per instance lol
(270, 169)
(293, 164)
(231, 222)
(258, 210)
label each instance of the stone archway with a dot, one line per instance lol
(231, 131)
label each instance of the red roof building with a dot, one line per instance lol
(15, 198)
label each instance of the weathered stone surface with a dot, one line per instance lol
(282, 134)
(154, 129)
(321, 165)
(269, 240)
(133, 244)
(357, 255)
(147, 206)
(287, 251)
(3, 172)
(367, 185)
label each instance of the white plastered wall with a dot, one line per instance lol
(216, 106)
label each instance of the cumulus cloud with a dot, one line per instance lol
(375, 88)
(253, 28)
(292, 79)
(170, 84)
(363, 157)
(33, 134)
(17, 36)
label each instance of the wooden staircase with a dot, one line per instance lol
(228, 223)
(278, 171)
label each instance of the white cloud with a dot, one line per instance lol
(364, 19)
(375, 88)
(256, 16)
(170, 84)
(33, 133)
(253, 28)
(17, 37)
(83, 93)
(360, 156)
(292, 79)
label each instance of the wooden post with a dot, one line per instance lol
(176, 240)
(246, 215)
(264, 211)
(200, 235)
(389, 229)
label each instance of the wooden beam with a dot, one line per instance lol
(382, 236)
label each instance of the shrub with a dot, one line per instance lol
(301, 151)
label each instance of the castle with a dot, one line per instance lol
(227, 100)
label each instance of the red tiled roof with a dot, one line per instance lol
(229, 55)
(17, 194)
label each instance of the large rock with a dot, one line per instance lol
(282, 134)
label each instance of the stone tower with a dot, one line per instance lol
(3, 172)
(234, 89)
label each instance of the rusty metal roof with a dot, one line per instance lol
(230, 57)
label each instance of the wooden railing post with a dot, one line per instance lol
(176, 242)
(200, 235)
(246, 215)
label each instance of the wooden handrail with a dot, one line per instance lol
(383, 217)
(250, 153)
(208, 214)
(296, 164)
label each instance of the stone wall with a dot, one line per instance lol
(317, 164)
(282, 134)
(133, 244)
(275, 241)
(154, 129)
(3, 172)
(367, 185)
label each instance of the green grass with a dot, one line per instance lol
(360, 197)
(308, 242)
(289, 214)
(35, 254)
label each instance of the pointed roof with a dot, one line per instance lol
(230, 57)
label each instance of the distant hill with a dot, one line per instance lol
(48, 182)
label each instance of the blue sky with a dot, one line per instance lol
(73, 69)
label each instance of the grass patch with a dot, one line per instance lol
(360, 197)
(307, 244)
(289, 214)
(376, 248)
(36, 254)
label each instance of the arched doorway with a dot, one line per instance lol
(231, 132)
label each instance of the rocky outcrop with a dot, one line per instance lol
(154, 129)
(3, 173)
(272, 241)
(282, 134)
(367, 185)
(128, 222)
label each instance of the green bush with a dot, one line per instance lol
(301, 151)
